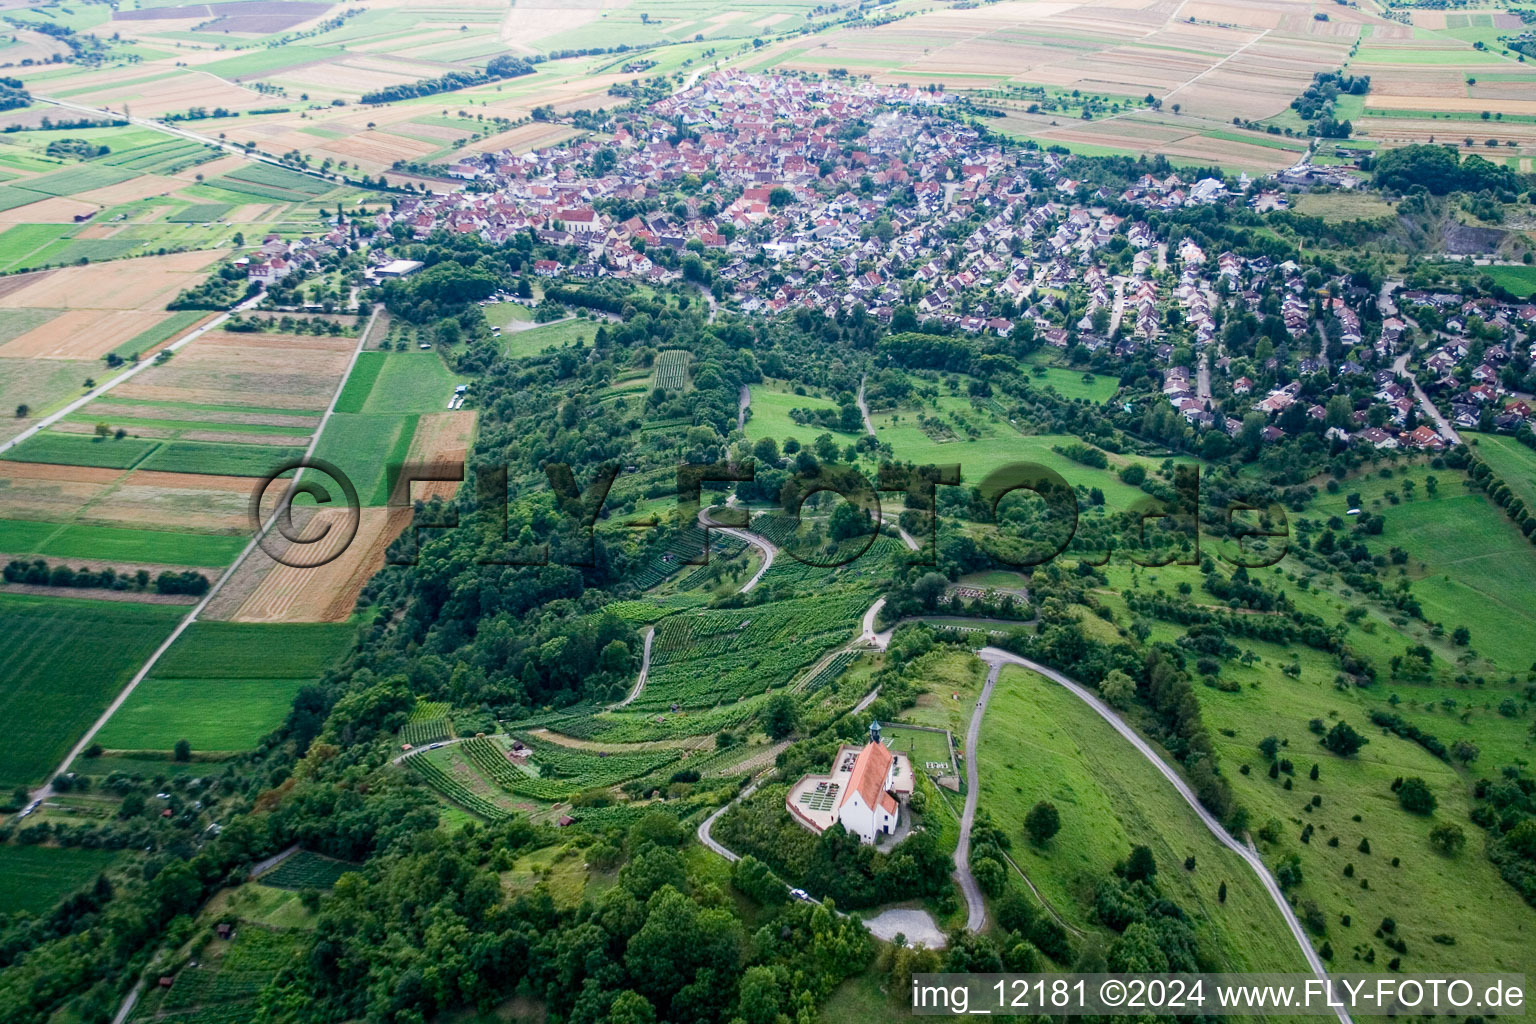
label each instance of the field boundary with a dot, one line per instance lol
(46, 790)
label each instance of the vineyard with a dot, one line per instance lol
(305, 870)
(827, 672)
(672, 370)
(563, 772)
(222, 987)
(427, 710)
(685, 548)
(431, 730)
(456, 792)
(712, 657)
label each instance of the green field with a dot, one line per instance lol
(1039, 742)
(1514, 463)
(177, 323)
(770, 417)
(82, 540)
(1519, 280)
(522, 344)
(82, 450)
(50, 700)
(34, 878)
(1072, 384)
(230, 650)
(354, 394)
(406, 382)
(210, 714)
(363, 446)
(920, 746)
(220, 459)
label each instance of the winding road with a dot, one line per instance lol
(767, 547)
(1388, 307)
(869, 426)
(976, 907)
(997, 657)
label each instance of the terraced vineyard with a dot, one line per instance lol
(305, 870)
(681, 551)
(827, 672)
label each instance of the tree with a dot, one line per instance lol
(1415, 796)
(1343, 740)
(1461, 636)
(1118, 689)
(183, 751)
(1042, 822)
(758, 1002)
(1465, 752)
(781, 716)
(1448, 838)
(1142, 866)
(22, 410)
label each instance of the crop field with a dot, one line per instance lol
(49, 707)
(35, 878)
(1040, 742)
(672, 370)
(222, 686)
(398, 382)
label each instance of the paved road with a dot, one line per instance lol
(1388, 307)
(976, 918)
(743, 403)
(1203, 378)
(998, 657)
(645, 670)
(1117, 311)
(765, 546)
(46, 790)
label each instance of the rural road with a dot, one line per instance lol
(997, 657)
(137, 368)
(46, 790)
(766, 547)
(869, 427)
(645, 670)
(743, 403)
(976, 907)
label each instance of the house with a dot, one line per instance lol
(398, 268)
(864, 791)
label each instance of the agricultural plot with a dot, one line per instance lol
(305, 870)
(222, 686)
(428, 730)
(398, 382)
(772, 416)
(220, 988)
(48, 706)
(671, 370)
(35, 878)
(520, 344)
(746, 651)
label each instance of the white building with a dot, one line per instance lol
(864, 791)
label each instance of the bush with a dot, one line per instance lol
(1415, 796)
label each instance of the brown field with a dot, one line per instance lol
(144, 283)
(126, 414)
(523, 138)
(185, 499)
(175, 95)
(81, 334)
(1458, 103)
(43, 491)
(328, 593)
(274, 370)
(142, 187)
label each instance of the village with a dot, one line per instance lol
(854, 199)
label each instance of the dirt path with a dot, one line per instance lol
(976, 918)
(869, 427)
(645, 670)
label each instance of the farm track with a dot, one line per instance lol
(768, 549)
(46, 790)
(645, 670)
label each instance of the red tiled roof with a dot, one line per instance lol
(869, 773)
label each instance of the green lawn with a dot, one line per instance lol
(1514, 463)
(1039, 742)
(1071, 384)
(35, 878)
(62, 661)
(210, 714)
